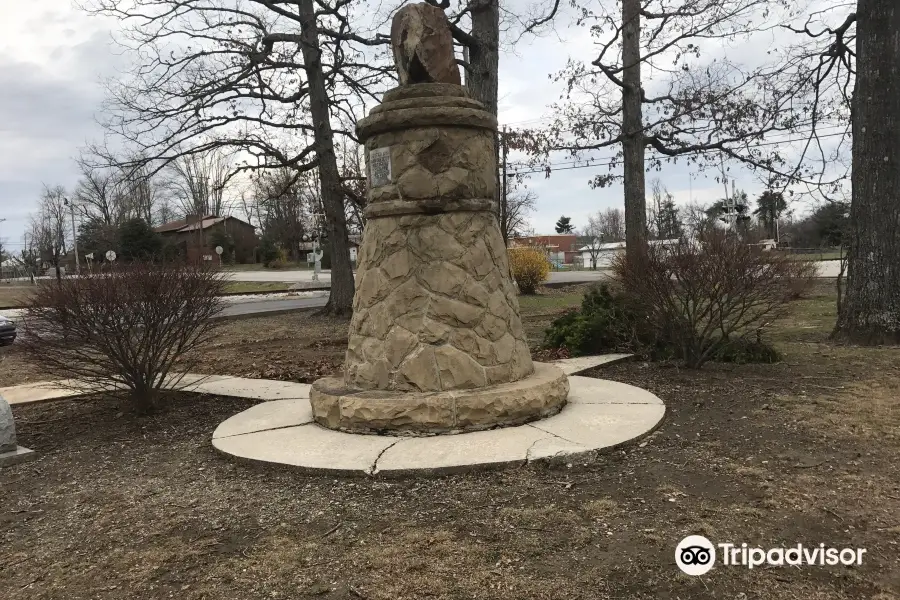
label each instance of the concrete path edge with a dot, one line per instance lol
(601, 417)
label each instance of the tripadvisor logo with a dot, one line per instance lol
(696, 555)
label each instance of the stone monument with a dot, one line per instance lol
(436, 343)
(10, 452)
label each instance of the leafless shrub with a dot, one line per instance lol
(702, 294)
(123, 328)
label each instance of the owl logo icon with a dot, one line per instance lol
(695, 555)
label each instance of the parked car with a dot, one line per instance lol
(7, 331)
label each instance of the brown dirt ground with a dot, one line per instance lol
(803, 451)
(13, 295)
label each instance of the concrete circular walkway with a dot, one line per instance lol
(600, 415)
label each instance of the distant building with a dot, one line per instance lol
(560, 249)
(766, 244)
(601, 256)
(193, 235)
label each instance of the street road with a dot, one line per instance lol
(305, 277)
(279, 303)
(245, 305)
(827, 268)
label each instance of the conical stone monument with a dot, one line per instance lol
(436, 343)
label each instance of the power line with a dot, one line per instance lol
(527, 121)
(574, 164)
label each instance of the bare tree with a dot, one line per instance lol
(51, 225)
(594, 232)
(127, 326)
(265, 78)
(340, 299)
(353, 178)
(164, 212)
(29, 257)
(514, 213)
(112, 195)
(698, 107)
(282, 203)
(98, 194)
(197, 182)
(663, 218)
(695, 217)
(612, 224)
(603, 227)
(142, 191)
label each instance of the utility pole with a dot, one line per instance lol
(504, 206)
(1, 252)
(30, 257)
(74, 236)
(727, 202)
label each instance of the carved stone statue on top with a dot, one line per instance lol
(423, 45)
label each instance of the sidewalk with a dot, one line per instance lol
(233, 302)
(243, 387)
(219, 385)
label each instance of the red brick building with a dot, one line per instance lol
(193, 235)
(560, 249)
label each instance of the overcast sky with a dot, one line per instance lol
(53, 57)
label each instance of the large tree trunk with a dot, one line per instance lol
(870, 309)
(482, 77)
(340, 301)
(632, 126)
(484, 57)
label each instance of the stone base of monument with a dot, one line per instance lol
(538, 396)
(598, 416)
(15, 457)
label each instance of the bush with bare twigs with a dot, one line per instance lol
(125, 327)
(705, 294)
(530, 268)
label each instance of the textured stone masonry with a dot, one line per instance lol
(436, 343)
(435, 308)
(540, 395)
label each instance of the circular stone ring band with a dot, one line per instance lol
(428, 206)
(541, 394)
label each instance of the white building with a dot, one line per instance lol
(603, 254)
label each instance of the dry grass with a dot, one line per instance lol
(12, 296)
(800, 451)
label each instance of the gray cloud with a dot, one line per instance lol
(47, 112)
(44, 119)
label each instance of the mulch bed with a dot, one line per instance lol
(118, 506)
